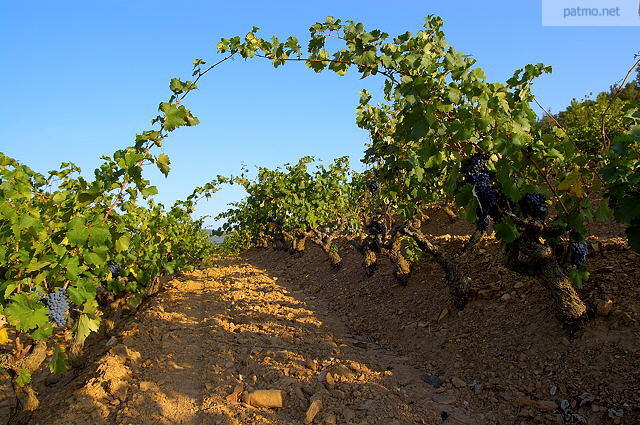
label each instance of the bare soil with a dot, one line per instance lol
(372, 351)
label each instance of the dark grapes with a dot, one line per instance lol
(477, 167)
(482, 180)
(373, 187)
(534, 205)
(58, 305)
(114, 269)
(578, 253)
(483, 221)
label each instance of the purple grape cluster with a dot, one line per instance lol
(578, 253)
(483, 221)
(482, 180)
(114, 269)
(534, 205)
(373, 187)
(58, 305)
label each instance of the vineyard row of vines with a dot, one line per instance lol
(441, 134)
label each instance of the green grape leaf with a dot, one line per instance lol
(42, 332)
(81, 291)
(25, 311)
(23, 378)
(579, 275)
(87, 322)
(506, 231)
(163, 164)
(77, 231)
(122, 243)
(57, 363)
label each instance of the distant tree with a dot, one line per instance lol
(583, 119)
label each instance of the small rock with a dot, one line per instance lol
(585, 399)
(342, 371)
(443, 314)
(331, 382)
(553, 390)
(51, 380)
(330, 420)
(348, 415)
(457, 382)
(312, 411)
(604, 307)
(433, 381)
(506, 297)
(298, 392)
(520, 284)
(564, 341)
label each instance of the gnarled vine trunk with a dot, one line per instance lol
(298, 244)
(27, 399)
(538, 260)
(459, 287)
(369, 261)
(402, 268)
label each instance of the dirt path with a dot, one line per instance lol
(236, 327)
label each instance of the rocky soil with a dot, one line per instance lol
(234, 328)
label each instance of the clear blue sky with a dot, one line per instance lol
(81, 78)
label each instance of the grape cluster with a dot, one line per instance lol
(373, 187)
(114, 269)
(483, 221)
(482, 180)
(534, 205)
(578, 253)
(58, 305)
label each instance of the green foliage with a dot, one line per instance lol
(411, 250)
(622, 177)
(294, 201)
(583, 121)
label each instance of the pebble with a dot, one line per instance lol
(457, 382)
(330, 420)
(312, 411)
(330, 380)
(348, 415)
(443, 314)
(604, 307)
(433, 381)
(341, 370)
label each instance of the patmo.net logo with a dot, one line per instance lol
(590, 13)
